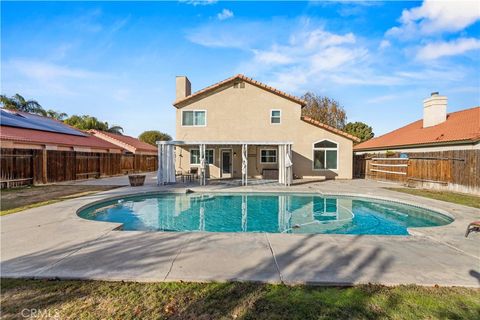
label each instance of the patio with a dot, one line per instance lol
(53, 242)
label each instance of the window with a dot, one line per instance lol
(275, 116)
(195, 156)
(194, 118)
(325, 155)
(268, 156)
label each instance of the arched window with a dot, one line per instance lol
(325, 155)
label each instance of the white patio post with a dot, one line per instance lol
(159, 160)
(288, 164)
(170, 163)
(202, 165)
(244, 164)
(281, 164)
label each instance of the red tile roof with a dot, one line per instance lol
(330, 128)
(125, 141)
(460, 126)
(52, 138)
(246, 79)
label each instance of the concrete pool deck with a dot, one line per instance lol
(53, 242)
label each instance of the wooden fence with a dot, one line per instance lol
(29, 166)
(457, 170)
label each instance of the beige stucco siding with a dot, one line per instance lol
(244, 115)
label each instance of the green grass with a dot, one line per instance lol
(458, 198)
(233, 300)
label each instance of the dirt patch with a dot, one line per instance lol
(28, 196)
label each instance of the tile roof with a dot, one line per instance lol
(330, 128)
(460, 126)
(246, 79)
(125, 141)
(53, 138)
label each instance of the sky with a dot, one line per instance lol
(117, 61)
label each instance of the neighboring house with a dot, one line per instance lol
(249, 129)
(440, 151)
(437, 131)
(131, 144)
(21, 130)
(36, 150)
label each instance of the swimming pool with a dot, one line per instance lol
(263, 212)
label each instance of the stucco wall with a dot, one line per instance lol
(244, 115)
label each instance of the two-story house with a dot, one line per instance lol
(241, 128)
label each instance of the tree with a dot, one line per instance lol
(360, 130)
(115, 129)
(152, 136)
(19, 103)
(57, 115)
(325, 110)
(87, 122)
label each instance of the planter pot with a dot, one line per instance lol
(136, 180)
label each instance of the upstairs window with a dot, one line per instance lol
(275, 116)
(268, 156)
(325, 155)
(194, 118)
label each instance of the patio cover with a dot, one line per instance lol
(166, 159)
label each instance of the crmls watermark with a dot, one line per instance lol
(40, 313)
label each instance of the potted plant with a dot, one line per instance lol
(136, 180)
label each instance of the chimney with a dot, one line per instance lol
(183, 88)
(434, 110)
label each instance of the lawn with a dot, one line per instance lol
(459, 198)
(18, 199)
(233, 300)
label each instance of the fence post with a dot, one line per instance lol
(44, 165)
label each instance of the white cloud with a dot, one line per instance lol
(311, 56)
(440, 49)
(271, 57)
(306, 56)
(384, 44)
(225, 14)
(44, 71)
(61, 79)
(240, 35)
(199, 2)
(434, 17)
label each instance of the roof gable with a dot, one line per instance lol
(461, 126)
(127, 142)
(210, 89)
(330, 128)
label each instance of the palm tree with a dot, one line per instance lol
(56, 115)
(19, 103)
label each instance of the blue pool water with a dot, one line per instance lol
(275, 213)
